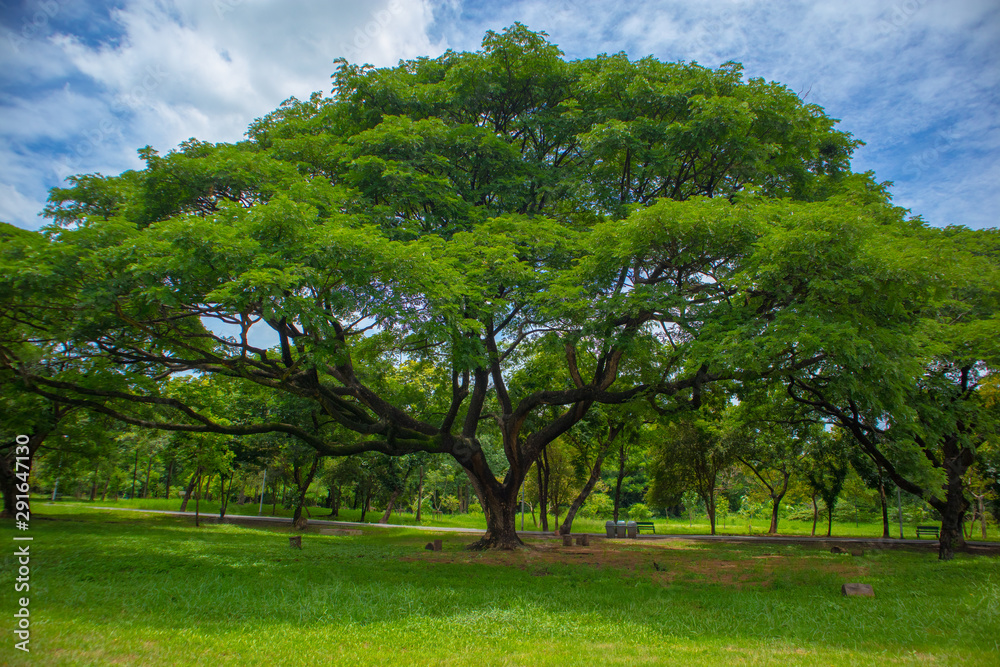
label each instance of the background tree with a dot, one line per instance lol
(689, 454)
(825, 466)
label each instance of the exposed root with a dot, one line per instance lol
(488, 542)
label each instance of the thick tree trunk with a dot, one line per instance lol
(954, 506)
(829, 515)
(104, 491)
(500, 507)
(190, 488)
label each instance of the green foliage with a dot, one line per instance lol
(638, 512)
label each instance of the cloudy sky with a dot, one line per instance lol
(87, 82)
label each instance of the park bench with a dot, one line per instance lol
(928, 530)
(639, 525)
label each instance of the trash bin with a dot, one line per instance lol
(620, 529)
(632, 529)
(610, 527)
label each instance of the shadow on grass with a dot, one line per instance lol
(156, 572)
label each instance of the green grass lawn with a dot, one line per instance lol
(731, 526)
(129, 588)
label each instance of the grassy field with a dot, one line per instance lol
(129, 588)
(731, 526)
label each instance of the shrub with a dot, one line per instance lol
(599, 506)
(639, 512)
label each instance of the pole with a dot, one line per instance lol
(56, 487)
(522, 506)
(899, 502)
(260, 510)
(134, 471)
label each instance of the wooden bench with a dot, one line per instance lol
(639, 525)
(928, 530)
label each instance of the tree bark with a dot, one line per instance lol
(9, 470)
(420, 494)
(388, 507)
(775, 507)
(303, 488)
(815, 513)
(500, 509)
(190, 488)
(709, 500)
(224, 496)
(197, 500)
(93, 486)
(885, 507)
(145, 485)
(543, 495)
(135, 471)
(595, 474)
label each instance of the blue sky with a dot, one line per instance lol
(86, 82)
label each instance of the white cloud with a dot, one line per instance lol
(186, 68)
(16, 206)
(916, 79)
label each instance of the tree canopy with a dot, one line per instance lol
(462, 255)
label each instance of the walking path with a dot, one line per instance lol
(985, 548)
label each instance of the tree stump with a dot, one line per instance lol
(295, 541)
(862, 590)
(838, 550)
(438, 545)
(857, 552)
(583, 541)
(567, 540)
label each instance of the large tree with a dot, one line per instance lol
(914, 394)
(476, 212)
